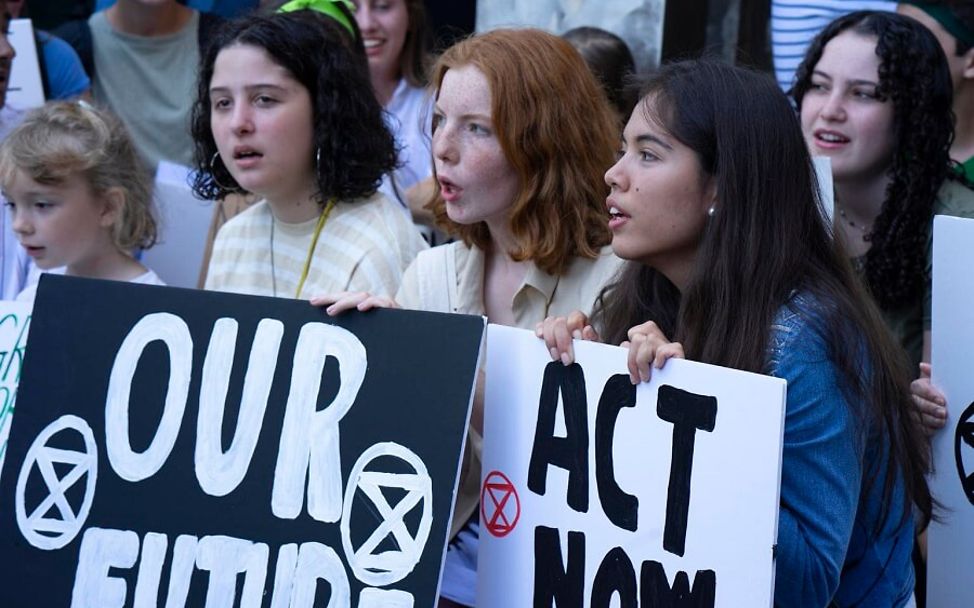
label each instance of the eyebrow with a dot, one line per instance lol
(474, 115)
(250, 87)
(650, 138)
(858, 82)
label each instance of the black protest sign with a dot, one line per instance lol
(182, 448)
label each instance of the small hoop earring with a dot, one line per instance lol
(712, 211)
(216, 155)
(317, 159)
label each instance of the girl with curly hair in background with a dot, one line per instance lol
(874, 94)
(285, 110)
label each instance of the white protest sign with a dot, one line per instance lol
(950, 544)
(826, 185)
(595, 489)
(184, 223)
(26, 89)
(14, 323)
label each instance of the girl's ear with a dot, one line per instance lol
(969, 64)
(113, 201)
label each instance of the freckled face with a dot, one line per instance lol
(476, 180)
(659, 197)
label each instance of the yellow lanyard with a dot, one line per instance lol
(314, 243)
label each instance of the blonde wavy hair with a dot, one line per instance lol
(61, 139)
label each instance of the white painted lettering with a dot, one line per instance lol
(310, 438)
(225, 557)
(101, 550)
(173, 332)
(220, 473)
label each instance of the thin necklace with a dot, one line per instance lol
(311, 250)
(866, 236)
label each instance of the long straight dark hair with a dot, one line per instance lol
(766, 241)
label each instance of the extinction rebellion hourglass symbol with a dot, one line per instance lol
(964, 450)
(499, 504)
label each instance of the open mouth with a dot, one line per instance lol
(831, 137)
(615, 213)
(448, 190)
(245, 153)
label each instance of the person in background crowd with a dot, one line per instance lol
(732, 264)
(78, 194)
(521, 136)
(874, 96)
(397, 42)
(284, 110)
(62, 74)
(611, 61)
(142, 58)
(952, 22)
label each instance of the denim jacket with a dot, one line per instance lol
(827, 547)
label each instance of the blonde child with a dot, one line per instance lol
(79, 198)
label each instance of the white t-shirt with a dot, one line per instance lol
(147, 278)
(408, 116)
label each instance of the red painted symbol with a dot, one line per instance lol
(500, 508)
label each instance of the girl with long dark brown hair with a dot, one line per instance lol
(733, 263)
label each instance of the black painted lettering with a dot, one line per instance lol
(556, 579)
(615, 576)
(655, 590)
(689, 413)
(621, 508)
(571, 452)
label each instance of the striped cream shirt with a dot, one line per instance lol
(364, 245)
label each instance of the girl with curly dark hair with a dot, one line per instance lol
(285, 110)
(713, 201)
(875, 96)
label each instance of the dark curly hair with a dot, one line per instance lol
(913, 74)
(355, 147)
